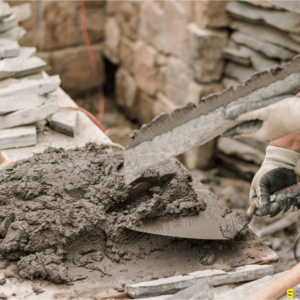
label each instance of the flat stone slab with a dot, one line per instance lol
(12, 104)
(5, 10)
(236, 55)
(15, 34)
(31, 86)
(17, 137)
(8, 23)
(214, 278)
(64, 121)
(284, 20)
(27, 116)
(22, 12)
(19, 67)
(238, 72)
(26, 52)
(9, 48)
(268, 49)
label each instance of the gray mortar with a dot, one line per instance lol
(54, 204)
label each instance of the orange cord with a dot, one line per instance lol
(91, 58)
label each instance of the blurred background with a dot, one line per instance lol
(150, 57)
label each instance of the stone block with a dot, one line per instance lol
(112, 40)
(268, 49)
(9, 48)
(152, 26)
(75, 70)
(197, 91)
(11, 104)
(177, 78)
(176, 22)
(17, 137)
(128, 18)
(19, 67)
(8, 23)
(26, 52)
(5, 10)
(95, 23)
(31, 86)
(211, 14)
(126, 92)
(127, 54)
(284, 20)
(162, 104)
(14, 34)
(22, 12)
(237, 56)
(145, 108)
(61, 25)
(64, 121)
(238, 72)
(27, 116)
(205, 53)
(144, 67)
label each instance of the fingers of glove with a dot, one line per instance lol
(274, 209)
(290, 199)
(237, 110)
(243, 129)
(264, 206)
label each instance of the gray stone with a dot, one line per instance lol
(268, 49)
(237, 56)
(233, 147)
(64, 121)
(127, 54)
(205, 53)
(284, 20)
(266, 34)
(238, 72)
(112, 40)
(31, 86)
(229, 82)
(26, 52)
(288, 5)
(22, 12)
(27, 116)
(152, 26)
(212, 277)
(5, 10)
(11, 104)
(17, 137)
(8, 23)
(19, 67)
(177, 79)
(14, 34)
(199, 290)
(9, 48)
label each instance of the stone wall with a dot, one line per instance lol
(55, 29)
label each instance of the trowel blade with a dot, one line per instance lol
(206, 225)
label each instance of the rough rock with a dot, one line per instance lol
(126, 91)
(268, 49)
(64, 121)
(95, 24)
(266, 34)
(211, 14)
(234, 147)
(61, 27)
(22, 12)
(8, 23)
(152, 26)
(127, 54)
(237, 56)
(74, 68)
(144, 67)
(112, 40)
(19, 67)
(5, 10)
(27, 116)
(128, 18)
(284, 20)
(51, 194)
(2, 281)
(12, 104)
(14, 34)
(145, 108)
(205, 53)
(176, 79)
(238, 72)
(288, 5)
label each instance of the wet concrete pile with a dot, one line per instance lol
(53, 204)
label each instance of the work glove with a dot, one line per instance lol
(276, 172)
(266, 120)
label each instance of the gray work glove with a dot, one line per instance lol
(276, 172)
(266, 120)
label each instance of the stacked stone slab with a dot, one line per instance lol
(168, 53)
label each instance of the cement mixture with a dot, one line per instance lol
(73, 205)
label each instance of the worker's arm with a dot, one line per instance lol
(277, 172)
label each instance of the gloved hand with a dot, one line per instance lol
(276, 172)
(266, 120)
